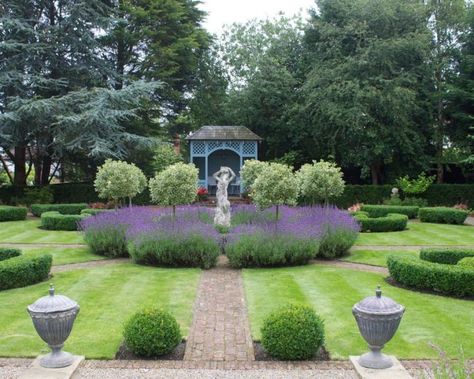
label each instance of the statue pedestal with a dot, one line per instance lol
(35, 371)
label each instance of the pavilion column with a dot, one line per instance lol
(206, 173)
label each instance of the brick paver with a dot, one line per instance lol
(220, 330)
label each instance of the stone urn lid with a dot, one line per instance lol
(378, 305)
(52, 303)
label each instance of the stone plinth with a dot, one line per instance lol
(397, 371)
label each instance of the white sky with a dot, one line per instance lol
(221, 12)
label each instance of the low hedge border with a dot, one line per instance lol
(384, 210)
(57, 221)
(467, 262)
(443, 215)
(94, 211)
(20, 271)
(65, 209)
(450, 256)
(7, 253)
(416, 273)
(9, 213)
(392, 222)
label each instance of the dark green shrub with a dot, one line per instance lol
(40, 195)
(442, 215)
(391, 223)
(261, 250)
(65, 209)
(94, 211)
(384, 210)
(8, 213)
(450, 256)
(293, 332)
(419, 274)
(8, 252)
(415, 202)
(21, 271)
(336, 243)
(57, 221)
(151, 333)
(467, 262)
(108, 240)
(175, 250)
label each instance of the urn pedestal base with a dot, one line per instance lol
(57, 359)
(375, 359)
(396, 371)
(36, 371)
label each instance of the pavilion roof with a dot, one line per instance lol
(226, 133)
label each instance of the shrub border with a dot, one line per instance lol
(384, 210)
(443, 215)
(9, 213)
(22, 271)
(72, 208)
(54, 220)
(416, 273)
(392, 222)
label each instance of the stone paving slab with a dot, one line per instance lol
(220, 329)
(35, 371)
(397, 371)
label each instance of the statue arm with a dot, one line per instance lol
(232, 173)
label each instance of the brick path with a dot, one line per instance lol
(220, 330)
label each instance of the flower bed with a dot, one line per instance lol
(154, 236)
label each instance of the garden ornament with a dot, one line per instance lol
(53, 317)
(378, 318)
(223, 177)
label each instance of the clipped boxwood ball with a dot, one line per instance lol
(293, 332)
(151, 333)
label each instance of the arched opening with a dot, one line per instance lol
(223, 158)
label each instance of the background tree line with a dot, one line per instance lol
(382, 87)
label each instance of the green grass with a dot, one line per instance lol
(333, 291)
(422, 234)
(374, 257)
(108, 296)
(64, 255)
(29, 232)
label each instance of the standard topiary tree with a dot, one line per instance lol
(164, 155)
(275, 185)
(293, 332)
(175, 185)
(151, 333)
(320, 181)
(117, 180)
(249, 172)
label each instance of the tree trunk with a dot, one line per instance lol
(19, 178)
(375, 171)
(439, 134)
(45, 170)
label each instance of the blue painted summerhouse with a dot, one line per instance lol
(212, 146)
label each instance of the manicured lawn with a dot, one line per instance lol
(64, 255)
(422, 234)
(28, 232)
(108, 296)
(376, 258)
(332, 292)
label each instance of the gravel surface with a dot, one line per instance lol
(84, 373)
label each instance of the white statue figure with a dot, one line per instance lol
(223, 177)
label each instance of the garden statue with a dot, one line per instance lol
(223, 177)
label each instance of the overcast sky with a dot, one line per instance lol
(222, 12)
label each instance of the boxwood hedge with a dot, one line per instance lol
(7, 253)
(65, 209)
(21, 271)
(384, 210)
(450, 256)
(94, 211)
(392, 222)
(443, 215)
(467, 262)
(420, 274)
(57, 221)
(9, 213)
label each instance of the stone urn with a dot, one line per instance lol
(53, 317)
(378, 318)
